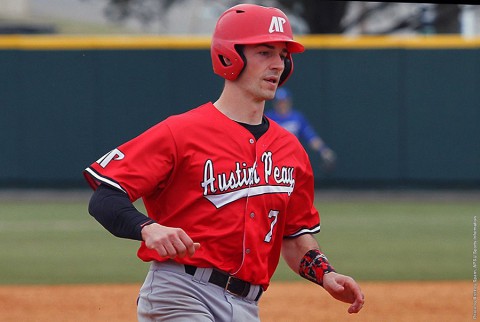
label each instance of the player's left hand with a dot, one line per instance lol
(345, 289)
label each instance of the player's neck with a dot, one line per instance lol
(240, 107)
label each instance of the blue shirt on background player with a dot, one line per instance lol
(295, 122)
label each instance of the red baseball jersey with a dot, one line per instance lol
(207, 174)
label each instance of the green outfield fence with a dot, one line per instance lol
(397, 110)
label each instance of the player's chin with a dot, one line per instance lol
(269, 89)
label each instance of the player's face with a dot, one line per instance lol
(265, 64)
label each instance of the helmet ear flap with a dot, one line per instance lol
(287, 71)
(220, 54)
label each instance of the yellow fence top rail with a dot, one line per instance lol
(54, 42)
(420, 41)
(69, 42)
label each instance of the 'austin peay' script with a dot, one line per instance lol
(244, 181)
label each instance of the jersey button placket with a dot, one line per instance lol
(251, 214)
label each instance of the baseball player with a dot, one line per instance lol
(294, 121)
(226, 190)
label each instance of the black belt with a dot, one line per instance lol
(229, 283)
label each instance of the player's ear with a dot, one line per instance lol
(225, 61)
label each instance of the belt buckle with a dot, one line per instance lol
(242, 293)
(228, 284)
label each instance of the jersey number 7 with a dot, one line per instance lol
(272, 214)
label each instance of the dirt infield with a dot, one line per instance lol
(298, 301)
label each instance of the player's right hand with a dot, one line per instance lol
(168, 241)
(329, 158)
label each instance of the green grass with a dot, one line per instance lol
(58, 243)
(398, 240)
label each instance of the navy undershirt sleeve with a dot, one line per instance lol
(116, 213)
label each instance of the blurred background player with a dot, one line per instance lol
(295, 122)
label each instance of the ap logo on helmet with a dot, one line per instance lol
(276, 25)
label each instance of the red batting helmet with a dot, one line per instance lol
(248, 24)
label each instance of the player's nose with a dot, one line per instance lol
(277, 63)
